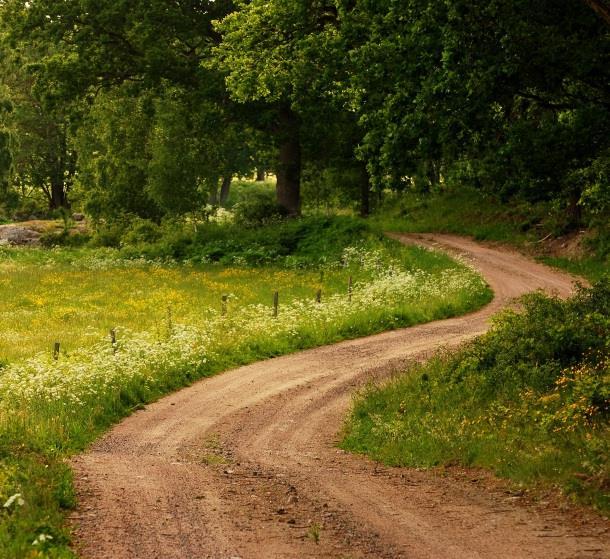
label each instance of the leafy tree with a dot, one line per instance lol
(290, 55)
(113, 156)
(512, 96)
(43, 158)
(150, 52)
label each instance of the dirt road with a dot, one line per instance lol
(244, 465)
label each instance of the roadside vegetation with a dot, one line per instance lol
(172, 328)
(530, 400)
(542, 229)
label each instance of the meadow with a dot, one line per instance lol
(76, 297)
(171, 329)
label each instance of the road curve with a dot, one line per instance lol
(244, 464)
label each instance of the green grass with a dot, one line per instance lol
(592, 268)
(50, 410)
(530, 401)
(486, 218)
(45, 299)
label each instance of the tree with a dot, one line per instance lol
(289, 55)
(43, 158)
(150, 52)
(511, 96)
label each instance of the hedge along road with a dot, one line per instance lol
(244, 464)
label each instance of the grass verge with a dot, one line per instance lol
(538, 229)
(530, 401)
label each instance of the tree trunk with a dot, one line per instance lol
(58, 198)
(213, 198)
(289, 168)
(61, 170)
(365, 191)
(574, 210)
(225, 189)
(260, 174)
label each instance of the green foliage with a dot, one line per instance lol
(158, 130)
(305, 242)
(64, 238)
(271, 50)
(258, 208)
(113, 157)
(529, 400)
(506, 96)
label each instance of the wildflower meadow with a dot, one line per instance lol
(172, 323)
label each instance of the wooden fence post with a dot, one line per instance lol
(350, 288)
(113, 339)
(276, 302)
(56, 347)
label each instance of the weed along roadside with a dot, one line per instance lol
(59, 399)
(530, 401)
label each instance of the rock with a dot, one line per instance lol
(18, 235)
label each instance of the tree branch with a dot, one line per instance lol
(601, 8)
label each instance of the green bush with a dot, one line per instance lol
(258, 207)
(65, 238)
(529, 400)
(109, 233)
(297, 242)
(141, 231)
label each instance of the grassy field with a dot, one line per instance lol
(530, 401)
(51, 408)
(77, 296)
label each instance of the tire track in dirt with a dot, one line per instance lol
(244, 464)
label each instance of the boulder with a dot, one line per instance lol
(18, 235)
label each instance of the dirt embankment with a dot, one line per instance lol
(244, 465)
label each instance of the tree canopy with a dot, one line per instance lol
(150, 104)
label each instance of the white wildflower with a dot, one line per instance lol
(15, 499)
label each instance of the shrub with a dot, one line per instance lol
(530, 400)
(64, 238)
(141, 231)
(258, 208)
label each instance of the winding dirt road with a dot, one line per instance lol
(244, 464)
